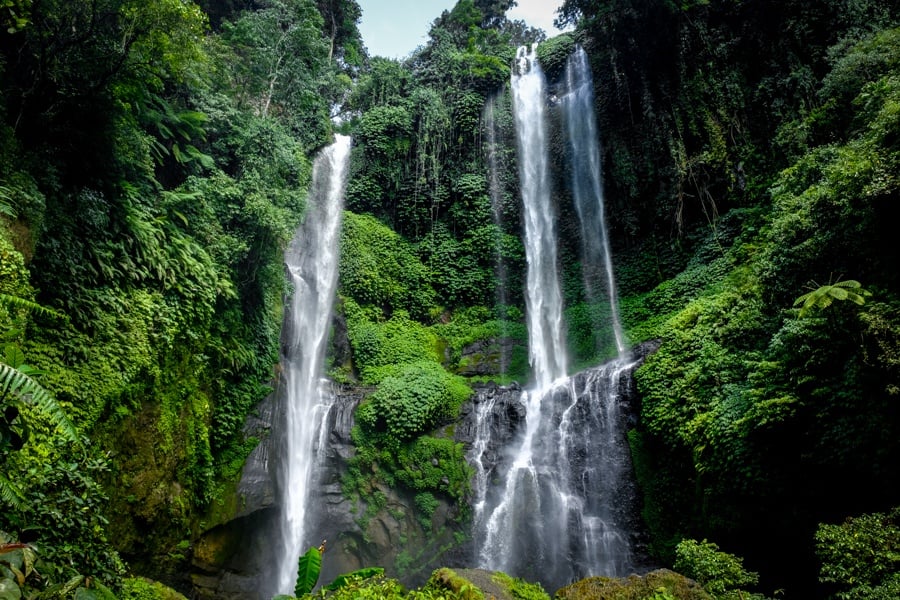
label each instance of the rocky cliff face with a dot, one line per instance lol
(234, 551)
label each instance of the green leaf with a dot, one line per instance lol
(9, 590)
(345, 578)
(18, 384)
(825, 295)
(13, 356)
(10, 494)
(17, 302)
(310, 565)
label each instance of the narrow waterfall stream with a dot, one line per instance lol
(587, 186)
(543, 298)
(557, 507)
(312, 263)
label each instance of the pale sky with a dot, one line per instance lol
(394, 28)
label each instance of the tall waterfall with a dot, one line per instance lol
(543, 298)
(557, 513)
(587, 184)
(312, 262)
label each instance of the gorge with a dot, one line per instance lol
(556, 497)
(735, 333)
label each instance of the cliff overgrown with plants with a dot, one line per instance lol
(154, 161)
(152, 170)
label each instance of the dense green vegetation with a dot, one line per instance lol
(152, 171)
(154, 162)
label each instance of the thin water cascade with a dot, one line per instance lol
(543, 298)
(492, 149)
(587, 184)
(556, 514)
(312, 263)
(513, 519)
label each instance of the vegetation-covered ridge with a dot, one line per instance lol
(154, 161)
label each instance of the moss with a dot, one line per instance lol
(138, 588)
(660, 583)
(519, 588)
(449, 580)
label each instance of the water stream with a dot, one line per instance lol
(312, 264)
(577, 105)
(555, 513)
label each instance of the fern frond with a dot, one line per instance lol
(847, 283)
(10, 494)
(6, 207)
(16, 383)
(18, 302)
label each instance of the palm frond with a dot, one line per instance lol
(18, 384)
(825, 295)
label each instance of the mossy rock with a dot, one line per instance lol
(139, 588)
(487, 585)
(659, 583)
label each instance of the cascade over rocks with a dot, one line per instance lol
(230, 555)
(505, 412)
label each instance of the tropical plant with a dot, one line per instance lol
(20, 395)
(309, 566)
(721, 574)
(823, 296)
(860, 558)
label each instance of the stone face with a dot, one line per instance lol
(486, 357)
(234, 553)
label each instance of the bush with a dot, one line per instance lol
(861, 555)
(418, 398)
(721, 574)
(379, 347)
(379, 268)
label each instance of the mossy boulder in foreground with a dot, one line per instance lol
(662, 584)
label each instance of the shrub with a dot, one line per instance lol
(861, 555)
(718, 572)
(418, 398)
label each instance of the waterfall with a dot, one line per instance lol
(587, 184)
(312, 263)
(557, 514)
(520, 503)
(493, 150)
(543, 298)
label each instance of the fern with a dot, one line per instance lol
(18, 385)
(824, 296)
(17, 302)
(10, 494)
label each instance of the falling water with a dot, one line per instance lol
(587, 183)
(556, 514)
(543, 299)
(312, 262)
(493, 148)
(519, 504)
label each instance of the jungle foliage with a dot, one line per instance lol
(154, 162)
(152, 171)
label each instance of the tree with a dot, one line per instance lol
(341, 28)
(824, 295)
(282, 50)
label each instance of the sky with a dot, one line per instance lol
(394, 28)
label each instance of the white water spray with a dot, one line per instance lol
(312, 262)
(543, 298)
